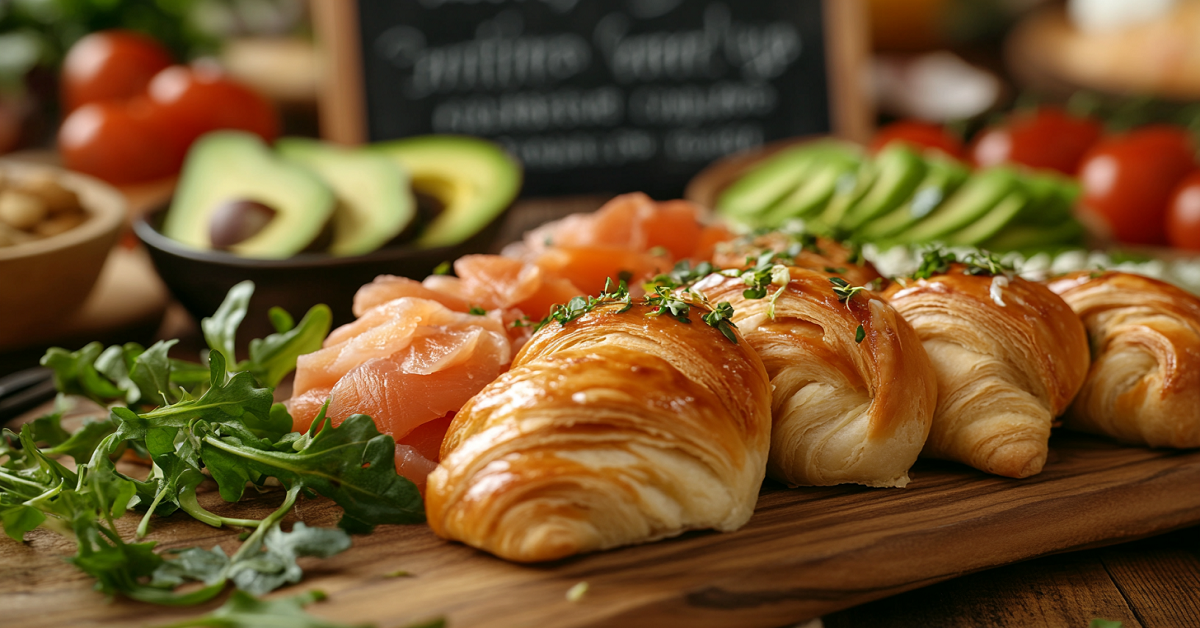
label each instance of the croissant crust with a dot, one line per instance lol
(1144, 383)
(844, 411)
(615, 428)
(1009, 356)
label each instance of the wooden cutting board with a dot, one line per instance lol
(805, 553)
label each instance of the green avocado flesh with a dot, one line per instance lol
(375, 201)
(232, 166)
(473, 179)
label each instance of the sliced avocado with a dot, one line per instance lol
(1029, 239)
(981, 192)
(900, 170)
(474, 180)
(1054, 198)
(993, 221)
(375, 200)
(765, 184)
(851, 187)
(943, 176)
(229, 175)
(818, 186)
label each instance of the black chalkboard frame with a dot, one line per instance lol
(343, 109)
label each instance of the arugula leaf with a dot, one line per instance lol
(75, 373)
(243, 611)
(352, 464)
(220, 329)
(234, 399)
(19, 518)
(264, 572)
(83, 442)
(273, 357)
(48, 429)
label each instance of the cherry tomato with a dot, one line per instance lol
(923, 134)
(1128, 179)
(1046, 138)
(202, 99)
(120, 142)
(1183, 214)
(110, 65)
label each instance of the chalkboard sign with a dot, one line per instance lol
(595, 95)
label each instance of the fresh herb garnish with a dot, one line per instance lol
(860, 334)
(477, 311)
(843, 290)
(442, 269)
(683, 275)
(721, 317)
(668, 304)
(986, 263)
(934, 261)
(191, 419)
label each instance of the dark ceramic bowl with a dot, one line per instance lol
(199, 279)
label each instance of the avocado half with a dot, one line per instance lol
(227, 168)
(474, 180)
(375, 201)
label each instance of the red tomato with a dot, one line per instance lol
(1046, 138)
(1183, 214)
(1128, 179)
(110, 65)
(120, 142)
(202, 99)
(923, 134)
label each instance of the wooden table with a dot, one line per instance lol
(1153, 582)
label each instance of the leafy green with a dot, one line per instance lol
(273, 357)
(220, 329)
(243, 611)
(353, 464)
(277, 566)
(721, 317)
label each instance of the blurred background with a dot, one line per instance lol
(1090, 107)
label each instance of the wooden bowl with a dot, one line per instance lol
(44, 282)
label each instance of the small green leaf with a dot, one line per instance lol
(220, 329)
(1104, 623)
(19, 519)
(281, 320)
(263, 572)
(860, 334)
(273, 357)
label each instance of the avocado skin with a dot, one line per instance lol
(475, 181)
(375, 201)
(233, 165)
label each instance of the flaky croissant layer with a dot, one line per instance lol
(1144, 383)
(845, 409)
(612, 429)
(1009, 356)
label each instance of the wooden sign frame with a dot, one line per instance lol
(342, 101)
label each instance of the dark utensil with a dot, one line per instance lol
(23, 391)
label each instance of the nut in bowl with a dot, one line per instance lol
(56, 230)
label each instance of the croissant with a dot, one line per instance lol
(845, 411)
(1144, 383)
(615, 428)
(1009, 357)
(799, 250)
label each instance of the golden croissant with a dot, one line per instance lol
(821, 254)
(616, 428)
(845, 410)
(1144, 383)
(1009, 357)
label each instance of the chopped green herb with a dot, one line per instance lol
(844, 290)
(934, 261)
(477, 311)
(668, 304)
(721, 317)
(859, 334)
(442, 269)
(839, 270)
(985, 263)
(578, 306)
(1104, 623)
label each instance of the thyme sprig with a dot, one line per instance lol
(844, 290)
(937, 261)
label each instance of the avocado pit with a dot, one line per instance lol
(238, 220)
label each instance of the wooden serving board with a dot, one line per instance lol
(805, 553)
